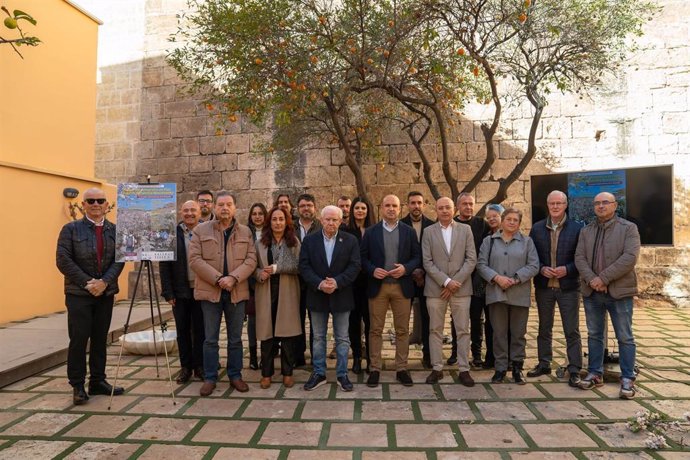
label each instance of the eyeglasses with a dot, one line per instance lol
(556, 203)
(603, 203)
(205, 201)
(95, 200)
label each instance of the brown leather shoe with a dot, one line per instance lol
(184, 376)
(239, 385)
(466, 379)
(434, 377)
(288, 381)
(265, 382)
(207, 388)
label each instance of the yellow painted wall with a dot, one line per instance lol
(47, 142)
(48, 99)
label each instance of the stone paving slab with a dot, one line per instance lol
(544, 419)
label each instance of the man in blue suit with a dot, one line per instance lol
(390, 253)
(329, 263)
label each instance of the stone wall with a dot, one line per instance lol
(146, 125)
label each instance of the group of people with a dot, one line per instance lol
(286, 264)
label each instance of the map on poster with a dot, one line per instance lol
(146, 222)
(584, 186)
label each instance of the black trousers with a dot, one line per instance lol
(269, 350)
(189, 320)
(359, 314)
(88, 320)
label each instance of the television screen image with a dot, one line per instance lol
(644, 196)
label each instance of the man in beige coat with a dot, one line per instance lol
(223, 256)
(449, 257)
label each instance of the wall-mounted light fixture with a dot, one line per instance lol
(70, 192)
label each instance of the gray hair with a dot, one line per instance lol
(226, 193)
(565, 197)
(330, 207)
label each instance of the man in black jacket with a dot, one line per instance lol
(177, 287)
(86, 257)
(418, 221)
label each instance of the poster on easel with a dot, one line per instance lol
(146, 222)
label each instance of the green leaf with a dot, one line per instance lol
(19, 14)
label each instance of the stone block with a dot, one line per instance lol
(457, 151)
(130, 96)
(401, 153)
(159, 94)
(235, 180)
(173, 165)
(142, 149)
(179, 109)
(101, 116)
(670, 257)
(212, 144)
(133, 131)
(346, 176)
(485, 191)
(188, 127)
(199, 181)
(260, 142)
(676, 122)
(107, 98)
(671, 99)
(152, 76)
(155, 129)
(321, 176)
(283, 178)
(105, 152)
(398, 174)
(190, 146)
(316, 157)
(122, 152)
(111, 133)
(557, 128)
(476, 151)
(237, 143)
(225, 162)
(122, 113)
(467, 170)
(251, 161)
(167, 148)
(146, 166)
(502, 168)
(507, 150)
(263, 178)
(462, 131)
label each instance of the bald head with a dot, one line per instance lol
(390, 207)
(191, 213)
(95, 204)
(445, 210)
(605, 206)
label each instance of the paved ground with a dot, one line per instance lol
(543, 419)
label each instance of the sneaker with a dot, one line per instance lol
(627, 390)
(574, 379)
(373, 380)
(404, 378)
(538, 370)
(315, 381)
(591, 381)
(345, 383)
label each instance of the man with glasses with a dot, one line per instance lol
(606, 255)
(86, 257)
(205, 200)
(557, 282)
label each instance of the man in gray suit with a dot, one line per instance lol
(449, 257)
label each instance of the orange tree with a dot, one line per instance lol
(13, 22)
(543, 46)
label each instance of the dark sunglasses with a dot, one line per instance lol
(95, 200)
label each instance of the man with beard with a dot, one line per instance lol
(205, 200)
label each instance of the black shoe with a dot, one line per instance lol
(574, 380)
(434, 377)
(199, 373)
(79, 395)
(345, 383)
(426, 362)
(404, 378)
(253, 359)
(453, 359)
(477, 362)
(104, 388)
(499, 377)
(366, 369)
(538, 370)
(488, 364)
(518, 376)
(373, 380)
(357, 366)
(184, 376)
(315, 381)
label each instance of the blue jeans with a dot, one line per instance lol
(621, 312)
(234, 317)
(341, 323)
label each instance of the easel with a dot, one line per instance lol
(153, 294)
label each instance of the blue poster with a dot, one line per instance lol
(146, 222)
(584, 186)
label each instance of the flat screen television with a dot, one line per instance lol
(644, 195)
